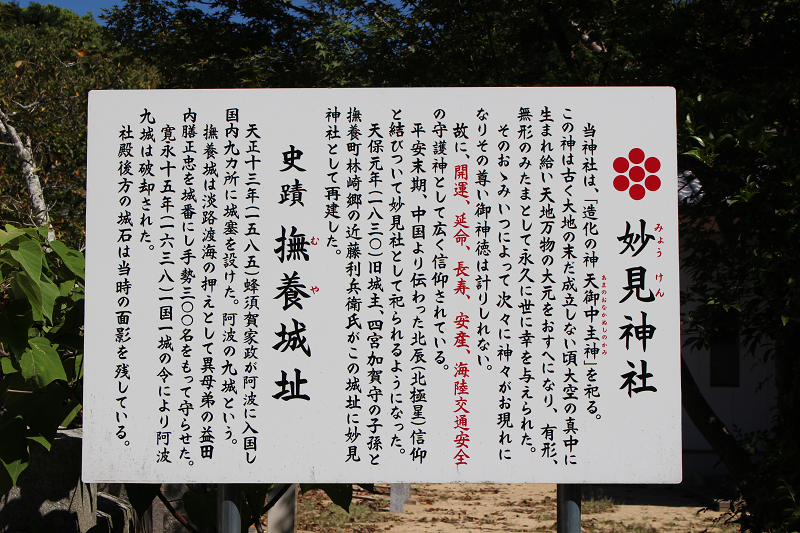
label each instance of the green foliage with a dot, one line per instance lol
(141, 495)
(202, 509)
(41, 344)
(49, 60)
(331, 43)
(274, 43)
(772, 504)
(340, 494)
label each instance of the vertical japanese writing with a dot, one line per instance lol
(125, 228)
(230, 319)
(166, 291)
(207, 258)
(380, 282)
(571, 385)
(418, 345)
(353, 271)
(461, 423)
(187, 250)
(507, 350)
(642, 330)
(245, 207)
(591, 289)
(547, 218)
(376, 203)
(526, 277)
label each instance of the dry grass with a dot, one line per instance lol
(315, 512)
(481, 507)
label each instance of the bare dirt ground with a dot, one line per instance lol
(511, 507)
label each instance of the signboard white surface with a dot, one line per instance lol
(382, 285)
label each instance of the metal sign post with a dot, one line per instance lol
(229, 516)
(568, 508)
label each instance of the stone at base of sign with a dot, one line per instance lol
(162, 520)
(156, 519)
(112, 500)
(50, 493)
(282, 517)
(399, 495)
(121, 517)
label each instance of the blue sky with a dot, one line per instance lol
(81, 7)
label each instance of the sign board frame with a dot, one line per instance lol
(383, 285)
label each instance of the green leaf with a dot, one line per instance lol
(73, 367)
(255, 498)
(10, 234)
(41, 440)
(5, 482)
(31, 291)
(13, 446)
(141, 496)
(68, 332)
(13, 381)
(700, 141)
(14, 324)
(698, 154)
(69, 412)
(73, 259)
(65, 287)
(40, 363)
(49, 292)
(340, 493)
(30, 256)
(15, 468)
(7, 366)
(43, 414)
(201, 508)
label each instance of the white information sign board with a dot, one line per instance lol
(382, 285)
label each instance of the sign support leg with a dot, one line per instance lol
(282, 515)
(229, 516)
(568, 508)
(398, 496)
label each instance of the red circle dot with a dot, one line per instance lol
(636, 174)
(653, 183)
(652, 165)
(636, 156)
(621, 183)
(620, 165)
(637, 192)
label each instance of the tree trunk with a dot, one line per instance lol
(25, 157)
